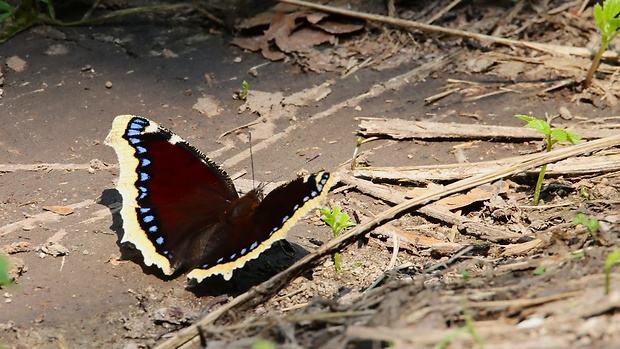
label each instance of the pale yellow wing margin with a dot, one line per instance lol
(132, 232)
(226, 269)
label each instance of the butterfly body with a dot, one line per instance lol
(182, 211)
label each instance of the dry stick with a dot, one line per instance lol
(570, 167)
(264, 291)
(567, 50)
(443, 11)
(406, 129)
(48, 167)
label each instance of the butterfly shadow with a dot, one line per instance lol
(113, 200)
(278, 257)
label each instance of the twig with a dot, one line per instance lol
(443, 11)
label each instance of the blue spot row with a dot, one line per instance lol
(146, 215)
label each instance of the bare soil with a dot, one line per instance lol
(497, 273)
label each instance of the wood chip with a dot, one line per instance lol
(61, 210)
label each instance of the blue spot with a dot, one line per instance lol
(132, 132)
(144, 209)
(143, 189)
(144, 176)
(165, 253)
(285, 219)
(153, 229)
(160, 240)
(313, 193)
(148, 219)
(205, 266)
(243, 251)
(134, 140)
(220, 260)
(232, 257)
(254, 245)
(295, 208)
(139, 122)
(145, 162)
(305, 199)
(142, 196)
(140, 150)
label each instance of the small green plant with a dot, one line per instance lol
(584, 193)
(263, 344)
(552, 136)
(607, 21)
(612, 258)
(590, 223)
(244, 92)
(540, 269)
(338, 221)
(466, 276)
(5, 278)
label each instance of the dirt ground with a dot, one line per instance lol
(487, 269)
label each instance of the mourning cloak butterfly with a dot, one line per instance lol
(182, 211)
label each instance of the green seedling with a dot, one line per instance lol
(6, 11)
(263, 344)
(584, 193)
(540, 269)
(590, 223)
(612, 258)
(5, 278)
(338, 221)
(607, 21)
(466, 276)
(552, 136)
(244, 92)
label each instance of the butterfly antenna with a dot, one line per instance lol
(251, 160)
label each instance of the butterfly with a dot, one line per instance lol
(182, 211)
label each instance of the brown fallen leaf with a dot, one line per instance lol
(334, 27)
(61, 210)
(303, 40)
(299, 33)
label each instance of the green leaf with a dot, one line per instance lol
(540, 126)
(565, 136)
(50, 8)
(6, 8)
(5, 279)
(263, 344)
(592, 225)
(599, 17)
(579, 218)
(611, 260)
(540, 270)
